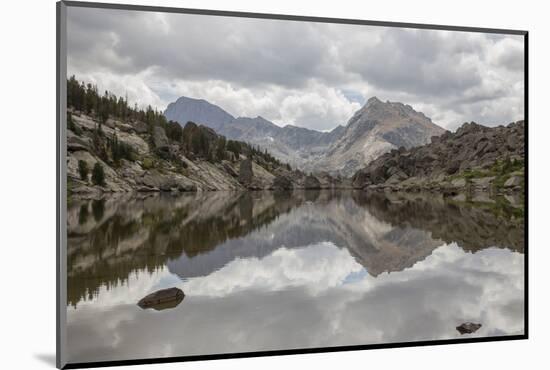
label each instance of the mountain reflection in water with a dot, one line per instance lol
(268, 271)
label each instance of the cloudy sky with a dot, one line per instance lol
(308, 74)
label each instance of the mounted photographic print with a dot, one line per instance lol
(237, 184)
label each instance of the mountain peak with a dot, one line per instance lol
(188, 99)
(197, 110)
(377, 109)
(373, 101)
(379, 127)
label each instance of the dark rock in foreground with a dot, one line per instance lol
(468, 328)
(162, 299)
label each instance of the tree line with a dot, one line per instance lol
(196, 141)
(87, 99)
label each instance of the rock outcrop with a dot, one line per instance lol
(168, 159)
(160, 139)
(475, 157)
(281, 183)
(312, 182)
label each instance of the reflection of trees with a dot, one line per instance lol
(126, 235)
(472, 225)
(111, 238)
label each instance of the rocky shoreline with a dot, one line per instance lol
(474, 159)
(114, 148)
(158, 163)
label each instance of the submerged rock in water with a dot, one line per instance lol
(162, 299)
(468, 328)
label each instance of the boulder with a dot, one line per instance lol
(396, 177)
(312, 182)
(184, 185)
(140, 127)
(513, 142)
(483, 183)
(468, 328)
(452, 167)
(162, 299)
(160, 140)
(137, 143)
(75, 143)
(513, 181)
(458, 183)
(282, 183)
(361, 179)
(154, 181)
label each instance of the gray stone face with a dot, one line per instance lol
(159, 138)
(483, 183)
(458, 183)
(282, 183)
(469, 149)
(312, 182)
(140, 127)
(513, 182)
(452, 167)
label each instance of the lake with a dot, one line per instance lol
(269, 271)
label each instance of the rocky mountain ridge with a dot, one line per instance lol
(289, 144)
(474, 158)
(373, 130)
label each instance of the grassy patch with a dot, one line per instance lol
(499, 208)
(501, 170)
(147, 163)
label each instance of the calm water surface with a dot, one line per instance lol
(267, 271)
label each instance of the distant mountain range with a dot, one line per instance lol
(373, 130)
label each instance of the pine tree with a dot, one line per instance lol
(83, 170)
(220, 149)
(98, 174)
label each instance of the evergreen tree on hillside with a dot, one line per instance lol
(83, 170)
(193, 139)
(220, 148)
(98, 174)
